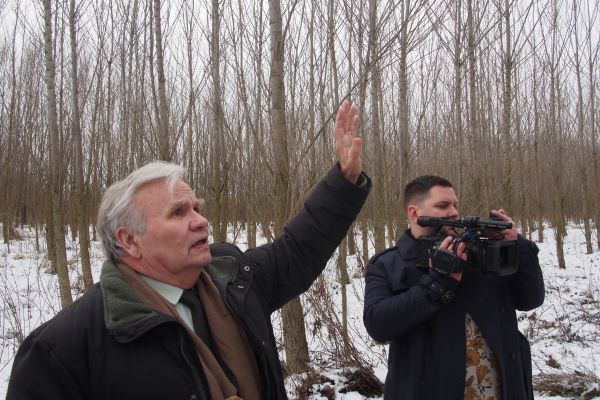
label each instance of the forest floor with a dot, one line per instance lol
(564, 332)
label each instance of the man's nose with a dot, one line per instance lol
(198, 222)
(453, 212)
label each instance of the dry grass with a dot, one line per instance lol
(575, 385)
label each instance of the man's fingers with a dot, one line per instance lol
(355, 124)
(446, 242)
(356, 148)
(341, 117)
(351, 120)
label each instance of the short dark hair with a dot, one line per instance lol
(419, 188)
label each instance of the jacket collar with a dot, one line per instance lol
(122, 309)
(407, 246)
(223, 269)
(127, 317)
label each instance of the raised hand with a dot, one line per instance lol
(347, 146)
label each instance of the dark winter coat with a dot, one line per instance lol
(427, 355)
(108, 345)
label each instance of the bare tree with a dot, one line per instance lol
(220, 168)
(379, 214)
(477, 195)
(188, 153)
(296, 347)
(8, 148)
(84, 241)
(162, 117)
(507, 148)
(54, 163)
(553, 56)
(593, 52)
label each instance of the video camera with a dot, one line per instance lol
(485, 248)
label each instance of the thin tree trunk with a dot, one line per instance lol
(556, 140)
(457, 100)
(507, 149)
(581, 135)
(593, 131)
(474, 134)
(379, 178)
(344, 281)
(294, 336)
(538, 184)
(54, 163)
(83, 229)
(7, 168)
(312, 97)
(164, 150)
(343, 247)
(220, 165)
(403, 109)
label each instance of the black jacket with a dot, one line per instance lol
(108, 345)
(427, 336)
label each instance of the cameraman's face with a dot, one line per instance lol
(441, 202)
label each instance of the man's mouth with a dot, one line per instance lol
(200, 243)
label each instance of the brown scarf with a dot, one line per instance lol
(231, 340)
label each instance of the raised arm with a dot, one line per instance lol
(290, 264)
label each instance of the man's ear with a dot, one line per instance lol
(129, 243)
(412, 214)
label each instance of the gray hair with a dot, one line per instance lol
(117, 209)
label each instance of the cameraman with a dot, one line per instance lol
(451, 337)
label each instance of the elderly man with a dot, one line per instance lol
(174, 317)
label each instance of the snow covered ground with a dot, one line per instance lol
(563, 332)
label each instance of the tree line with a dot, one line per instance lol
(499, 96)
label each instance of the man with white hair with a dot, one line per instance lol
(174, 317)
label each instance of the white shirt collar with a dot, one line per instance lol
(169, 292)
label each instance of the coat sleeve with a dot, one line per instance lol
(37, 373)
(288, 266)
(399, 297)
(527, 284)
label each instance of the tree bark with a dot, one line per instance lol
(294, 336)
(507, 142)
(379, 151)
(556, 139)
(54, 163)
(475, 142)
(164, 147)
(582, 165)
(220, 168)
(403, 110)
(83, 229)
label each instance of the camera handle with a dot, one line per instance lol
(446, 262)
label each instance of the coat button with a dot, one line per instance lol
(240, 286)
(246, 268)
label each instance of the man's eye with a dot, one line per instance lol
(178, 212)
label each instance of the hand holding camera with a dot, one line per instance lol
(449, 258)
(491, 244)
